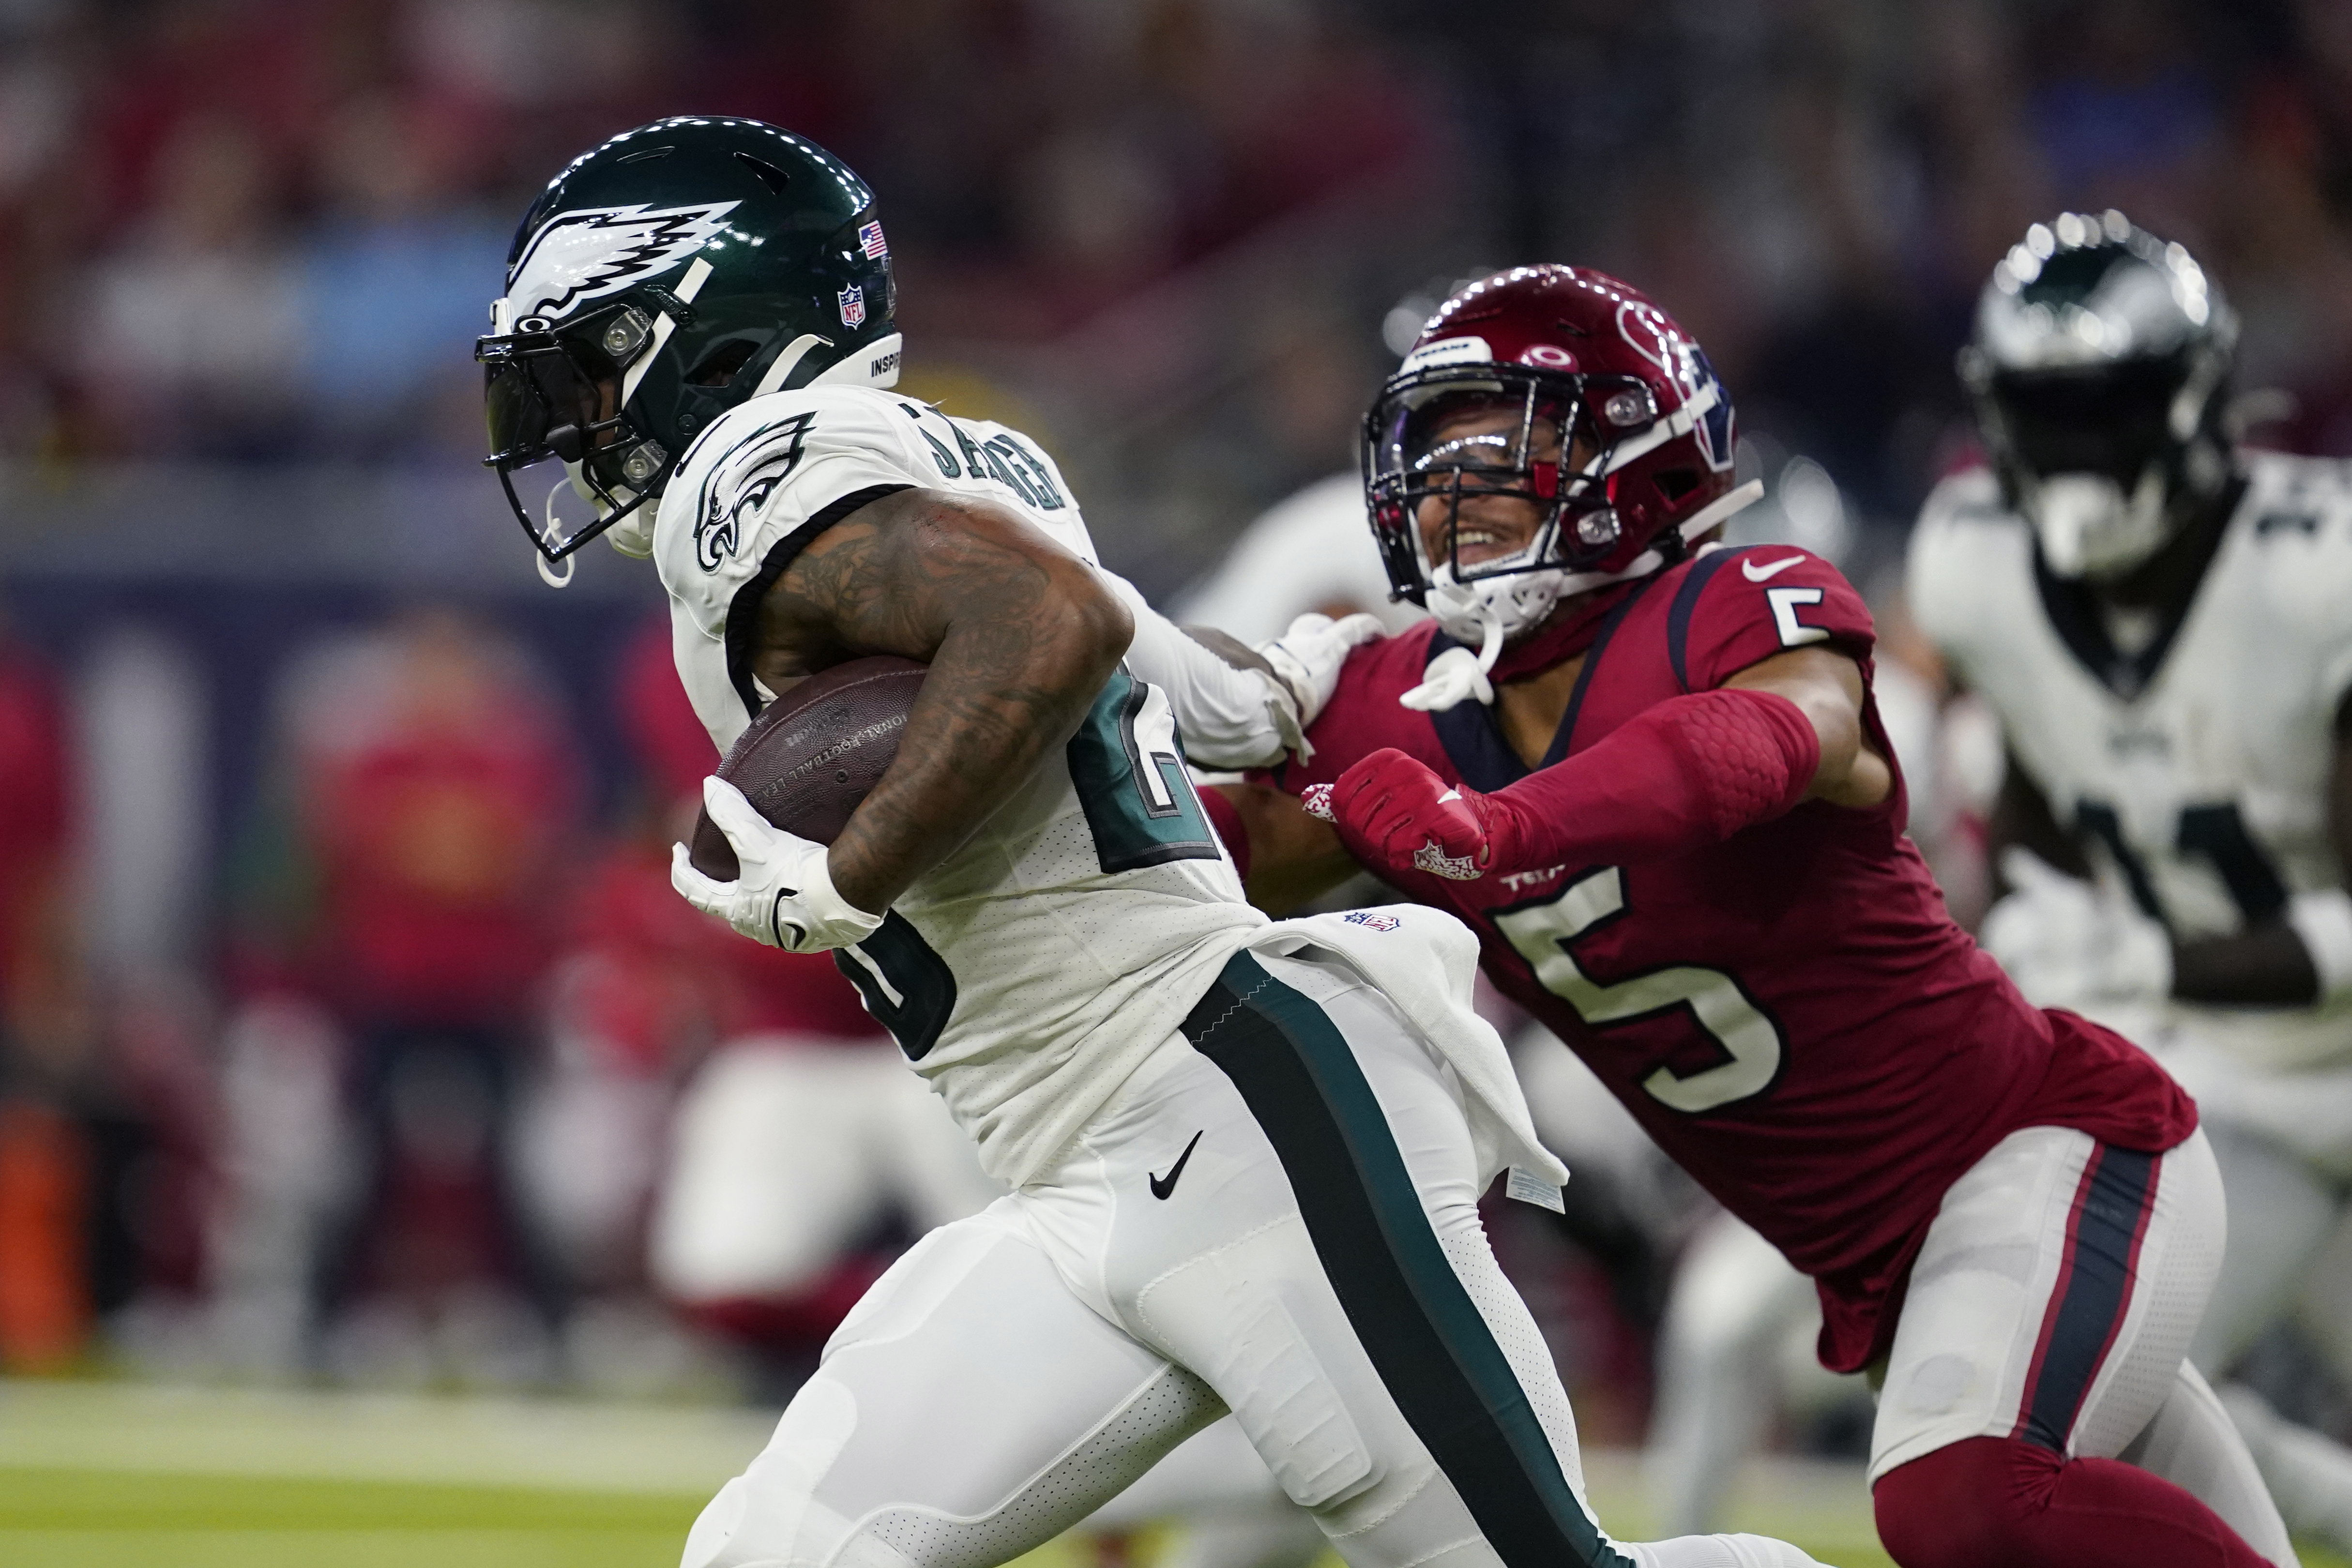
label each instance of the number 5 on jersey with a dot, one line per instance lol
(1793, 632)
(1750, 1041)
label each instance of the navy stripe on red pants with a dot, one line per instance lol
(2093, 1293)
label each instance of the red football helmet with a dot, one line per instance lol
(1623, 441)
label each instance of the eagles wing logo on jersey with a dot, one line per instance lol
(741, 481)
(594, 251)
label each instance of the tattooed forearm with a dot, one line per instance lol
(1293, 857)
(1020, 636)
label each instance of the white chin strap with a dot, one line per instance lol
(1492, 610)
(2090, 528)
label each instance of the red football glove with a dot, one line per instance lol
(1392, 811)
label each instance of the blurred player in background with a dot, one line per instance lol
(46, 1033)
(431, 777)
(1659, 786)
(2160, 619)
(1033, 899)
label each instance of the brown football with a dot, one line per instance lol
(814, 753)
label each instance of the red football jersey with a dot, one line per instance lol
(1791, 1013)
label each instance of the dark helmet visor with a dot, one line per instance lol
(538, 397)
(2112, 419)
(549, 396)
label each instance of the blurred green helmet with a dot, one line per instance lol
(660, 279)
(2100, 369)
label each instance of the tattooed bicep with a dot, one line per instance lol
(894, 575)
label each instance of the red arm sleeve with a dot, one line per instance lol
(1697, 769)
(1690, 771)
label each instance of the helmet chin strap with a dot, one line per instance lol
(1456, 675)
(1490, 647)
(1713, 515)
(570, 563)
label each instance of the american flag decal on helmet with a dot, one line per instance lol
(870, 241)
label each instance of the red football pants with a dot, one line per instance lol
(2004, 1502)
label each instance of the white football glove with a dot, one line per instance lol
(783, 896)
(2067, 943)
(1306, 660)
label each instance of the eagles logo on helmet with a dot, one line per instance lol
(660, 279)
(1618, 431)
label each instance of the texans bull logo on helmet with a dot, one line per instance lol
(1602, 414)
(1652, 334)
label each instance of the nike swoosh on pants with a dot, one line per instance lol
(1163, 1185)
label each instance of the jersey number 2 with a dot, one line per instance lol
(1751, 1042)
(1129, 769)
(906, 984)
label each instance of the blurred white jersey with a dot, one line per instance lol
(1027, 975)
(2197, 755)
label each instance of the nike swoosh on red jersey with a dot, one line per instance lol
(1748, 568)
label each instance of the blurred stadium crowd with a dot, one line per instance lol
(344, 1011)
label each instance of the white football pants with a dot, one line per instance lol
(1276, 1214)
(2054, 1300)
(2284, 1141)
(785, 1150)
(1735, 1298)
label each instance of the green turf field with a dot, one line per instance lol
(101, 1475)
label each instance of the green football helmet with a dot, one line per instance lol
(660, 279)
(2100, 369)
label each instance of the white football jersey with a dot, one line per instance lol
(2199, 764)
(1027, 975)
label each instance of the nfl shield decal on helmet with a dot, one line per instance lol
(853, 306)
(870, 241)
